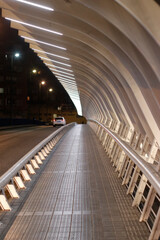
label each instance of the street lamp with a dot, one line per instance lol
(34, 71)
(13, 56)
(30, 84)
(17, 54)
(50, 90)
(42, 83)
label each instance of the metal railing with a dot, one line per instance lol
(141, 178)
(148, 169)
(47, 143)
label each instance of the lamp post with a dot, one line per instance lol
(42, 83)
(13, 56)
(50, 90)
(29, 86)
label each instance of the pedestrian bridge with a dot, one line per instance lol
(72, 186)
(106, 54)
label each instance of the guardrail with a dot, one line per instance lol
(15, 178)
(141, 178)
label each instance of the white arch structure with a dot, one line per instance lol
(113, 49)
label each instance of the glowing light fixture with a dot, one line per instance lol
(48, 44)
(141, 145)
(57, 71)
(42, 82)
(69, 84)
(68, 65)
(50, 90)
(33, 26)
(34, 71)
(55, 55)
(67, 77)
(35, 5)
(68, 70)
(17, 55)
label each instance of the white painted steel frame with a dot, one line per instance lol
(148, 170)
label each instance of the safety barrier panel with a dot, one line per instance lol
(16, 177)
(141, 178)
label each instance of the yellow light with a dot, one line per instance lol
(34, 70)
(43, 83)
(50, 89)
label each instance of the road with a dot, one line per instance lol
(15, 143)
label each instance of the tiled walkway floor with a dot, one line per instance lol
(78, 196)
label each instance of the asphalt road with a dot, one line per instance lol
(15, 143)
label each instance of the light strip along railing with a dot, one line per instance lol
(13, 171)
(147, 168)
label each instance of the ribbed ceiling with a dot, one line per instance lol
(106, 54)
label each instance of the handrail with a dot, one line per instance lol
(147, 168)
(6, 177)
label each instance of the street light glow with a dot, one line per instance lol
(43, 82)
(34, 71)
(50, 89)
(17, 55)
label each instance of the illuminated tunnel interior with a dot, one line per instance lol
(106, 55)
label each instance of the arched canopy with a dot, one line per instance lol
(108, 55)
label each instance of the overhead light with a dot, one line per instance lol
(68, 65)
(17, 54)
(75, 97)
(48, 44)
(55, 55)
(141, 145)
(69, 87)
(66, 79)
(33, 26)
(57, 67)
(61, 75)
(67, 82)
(71, 91)
(35, 5)
(57, 71)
